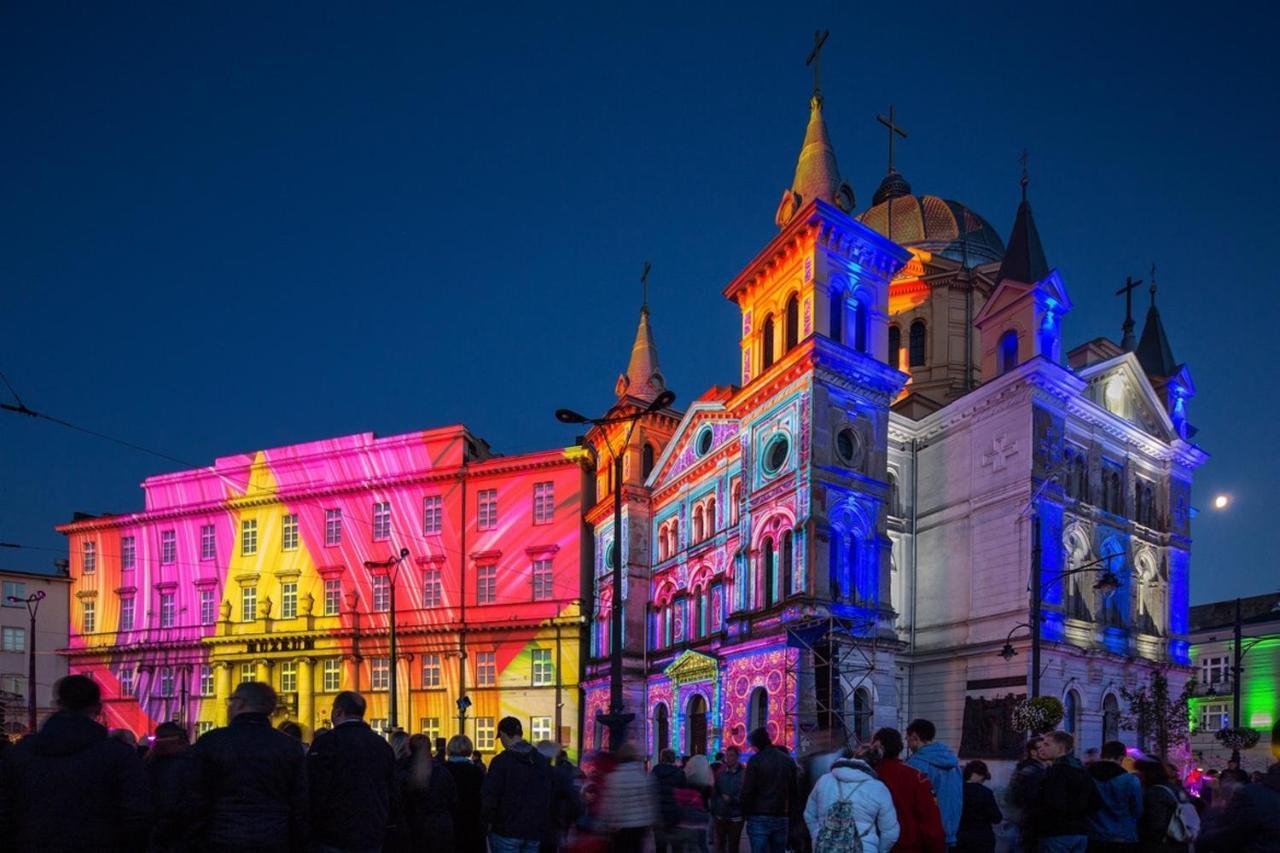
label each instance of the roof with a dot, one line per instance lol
(643, 379)
(817, 175)
(937, 225)
(1024, 261)
(1153, 352)
(1222, 614)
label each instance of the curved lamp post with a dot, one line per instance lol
(391, 566)
(33, 606)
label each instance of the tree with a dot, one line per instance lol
(1156, 718)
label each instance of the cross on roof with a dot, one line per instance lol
(893, 128)
(1153, 284)
(815, 59)
(1130, 285)
(644, 283)
(1022, 158)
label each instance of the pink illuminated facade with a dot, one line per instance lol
(254, 569)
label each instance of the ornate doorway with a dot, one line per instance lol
(696, 724)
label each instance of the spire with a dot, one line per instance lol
(643, 378)
(817, 175)
(1153, 352)
(1024, 259)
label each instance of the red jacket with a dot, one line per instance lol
(918, 815)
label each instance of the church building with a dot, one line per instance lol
(845, 538)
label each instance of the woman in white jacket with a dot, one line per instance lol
(852, 780)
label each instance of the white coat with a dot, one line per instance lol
(853, 780)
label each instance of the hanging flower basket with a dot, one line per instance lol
(1236, 739)
(1037, 715)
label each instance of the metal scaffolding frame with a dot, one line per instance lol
(839, 650)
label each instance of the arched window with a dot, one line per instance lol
(836, 320)
(894, 356)
(793, 323)
(1008, 352)
(661, 728)
(697, 524)
(893, 495)
(698, 614)
(696, 723)
(1110, 718)
(704, 618)
(767, 569)
(646, 459)
(766, 343)
(862, 714)
(788, 561)
(674, 545)
(758, 710)
(735, 499)
(1071, 712)
(710, 516)
(860, 326)
(915, 352)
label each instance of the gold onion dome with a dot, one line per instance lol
(937, 225)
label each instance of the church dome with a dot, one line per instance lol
(937, 225)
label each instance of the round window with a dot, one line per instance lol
(848, 445)
(704, 441)
(609, 556)
(776, 453)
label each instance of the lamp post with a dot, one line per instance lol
(1237, 671)
(1108, 582)
(617, 719)
(392, 567)
(33, 606)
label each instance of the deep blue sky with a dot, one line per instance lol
(224, 227)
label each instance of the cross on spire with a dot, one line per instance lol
(815, 59)
(1127, 342)
(644, 284)
(1153, 284)
(1022, 158)
(893, 128)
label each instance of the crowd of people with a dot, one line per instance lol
(251, 787)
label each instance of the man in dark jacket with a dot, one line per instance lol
(668, 777)
(1067, 798)
(919, 821)
(768, 794)
(1024, 790)
(726, 802)
(351, 774)
(1113, 828)
(253, 780)
(516, 797)
(70, 787)
(175, 777)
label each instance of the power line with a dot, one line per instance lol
(12, 390)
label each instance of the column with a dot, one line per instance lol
(262, 670)
(222, 691)
(306, 694)
(351, 673)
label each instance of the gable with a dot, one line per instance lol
(1007, 295)
(1121, 387)
(692, 666)
(705, 428)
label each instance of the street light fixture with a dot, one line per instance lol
(392, 567)
(33, 605)
(617, 720)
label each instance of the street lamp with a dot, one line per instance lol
(33, 605)
(1240, 650)
(391, 566)
(617, 720)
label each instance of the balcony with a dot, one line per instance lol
(1218, 689)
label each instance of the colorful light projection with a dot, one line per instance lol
(253, 568)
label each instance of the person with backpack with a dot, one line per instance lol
(851, 811)
(1169, 821)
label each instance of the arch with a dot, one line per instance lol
(758, 709)
(697, 524)
(1114, 395)
(647, 454)
(893, 494)
(1146, 580)
(661, 728)
(767, 343)
(1110, 717)
(916, 344)
(1007, 352)
(894, 356)
(735, 500)
(768, 570)
(860, 326)
(1071, 711)
(696, 725)
(792, 323)
(662, 543)
(1075, 543)
(710, 519)
(788, 561)
(862, 713)
(836, 319)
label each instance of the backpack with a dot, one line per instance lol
(839, 830)
(1184, 823)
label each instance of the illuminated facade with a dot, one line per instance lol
(843, 540)
(254, 569)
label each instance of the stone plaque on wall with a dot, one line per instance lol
(988, 728)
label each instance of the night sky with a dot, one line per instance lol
(224, 227)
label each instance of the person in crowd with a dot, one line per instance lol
(1252, 820)
(850, 803)
(478, 760)
(566, 806)
(768, 794)
(428, 798)
(1160, 801)
(1113, 828)
(70, 785)
(979, 813)
(174, 776)
(726, 802)
(351, 771)
(442, 749)
(294, 731)
(516, 797)
(919, 821)
(668, 777)
(1215, 832)
(399, 743)
(253, 780)
(691, 800)
(627, 806)
(1092, 756)
(1024, 790)
(125, 736)
(1067, 798)
(937, 761)
(468, 829)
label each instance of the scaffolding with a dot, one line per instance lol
(837, 655)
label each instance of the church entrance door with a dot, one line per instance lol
(697, 725)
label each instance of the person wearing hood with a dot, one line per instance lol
(939, 763)
(1067, 798)
(852, 790)
(1113, 828)
(69, 785)
(516, 797)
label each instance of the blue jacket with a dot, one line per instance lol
(943, 769)
(1121, 794)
